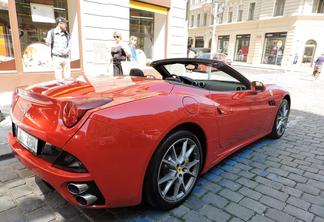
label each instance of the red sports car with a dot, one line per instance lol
(115, 141)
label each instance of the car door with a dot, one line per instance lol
(240, 110)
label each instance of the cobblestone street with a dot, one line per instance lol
(270, 180)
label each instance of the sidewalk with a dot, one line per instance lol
(293, 68)
(5, 101)
(5, 125)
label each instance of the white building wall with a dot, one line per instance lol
(97, 31)
(100, 18)
(177, 29)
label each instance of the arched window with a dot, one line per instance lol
(309, 52)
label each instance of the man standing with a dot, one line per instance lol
(59, 40)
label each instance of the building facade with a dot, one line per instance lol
(160, 26)
(261, 32)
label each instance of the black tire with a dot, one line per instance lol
(277, 133)
(152, 191)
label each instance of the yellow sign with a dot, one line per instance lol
(148, 7)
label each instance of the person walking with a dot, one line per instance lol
(119, 53)
(318, 65)
(132, 47)
(58, 39)
(190, 53)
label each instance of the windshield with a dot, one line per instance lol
(199, 71)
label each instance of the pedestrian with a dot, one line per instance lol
(318, 65)
(119, 53)
(190, 53)
(132, 47)
(58, 39)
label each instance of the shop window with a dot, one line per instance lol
(222, 45)
(230, 15)
(274, 48)
(199, 42)
(240, 13)
(7, 59)
(251, 11)
(309, 52)
(142, 26)
(318, 6)
(279, 7)
(205, 19)
(242, 48)
(35, 19)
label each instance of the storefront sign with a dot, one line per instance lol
(148, 7)
(42, 13)
(163, 3)
(3, 4)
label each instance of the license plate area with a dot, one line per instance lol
(28, 141)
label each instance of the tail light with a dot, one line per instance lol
(74, 110)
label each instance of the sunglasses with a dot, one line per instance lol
(116, 37)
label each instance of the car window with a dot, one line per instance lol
(199, 71)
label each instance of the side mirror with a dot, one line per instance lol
(257, 86)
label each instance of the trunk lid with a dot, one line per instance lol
(38, 109)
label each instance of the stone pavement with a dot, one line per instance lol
(270, 180)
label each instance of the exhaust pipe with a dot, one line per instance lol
(77, 188)
(86, 199)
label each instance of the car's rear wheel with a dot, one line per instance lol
(173, 170)
(281, 121)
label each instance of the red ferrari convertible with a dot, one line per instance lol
(115, 141)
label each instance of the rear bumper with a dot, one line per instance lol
(57, 178)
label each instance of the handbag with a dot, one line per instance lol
(128, 65)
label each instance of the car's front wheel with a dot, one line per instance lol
(281, 121)
(173, 170)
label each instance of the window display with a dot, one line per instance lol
(142, 26)
(222, 45)
(274, 48)
(35, 20)
(242, 48)
(7, 59)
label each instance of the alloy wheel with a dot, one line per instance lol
(178, 170)
(282, 117)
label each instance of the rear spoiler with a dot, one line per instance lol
(35, 97)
